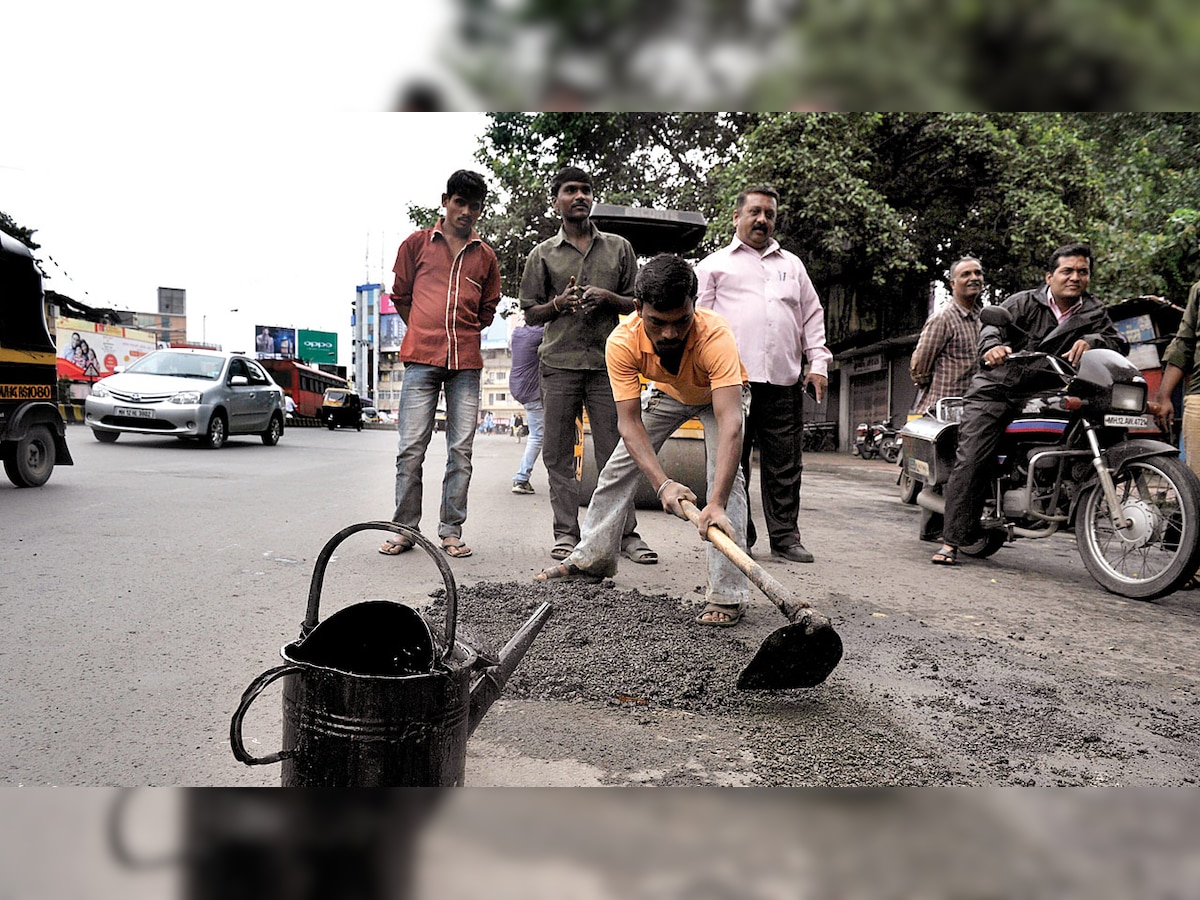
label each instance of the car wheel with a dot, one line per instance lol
(218, 430)
(106, 437)
(274, 432)
(33, 458)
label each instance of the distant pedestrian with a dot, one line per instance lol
(525, 386)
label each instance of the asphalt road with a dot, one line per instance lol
(146, 586)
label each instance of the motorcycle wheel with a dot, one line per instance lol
(1160, 550)
(890, 450)
(909, 487)
(985, 546)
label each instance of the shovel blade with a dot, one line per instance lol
(798, 655)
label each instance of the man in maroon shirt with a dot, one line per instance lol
(446, 290)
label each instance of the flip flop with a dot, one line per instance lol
(947, 556)
(562, 548)
(395, 546)
(735, 613)
(567, 572)
(455, 547)
(638, 551)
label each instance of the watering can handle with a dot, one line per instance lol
(314, 591)
(235, 726)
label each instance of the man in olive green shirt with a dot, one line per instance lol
(577, 284)
(1182, 358)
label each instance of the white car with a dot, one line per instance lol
(187, 393)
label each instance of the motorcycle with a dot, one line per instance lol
(876, 439)
(1067, 461)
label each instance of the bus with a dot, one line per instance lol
(305, 384)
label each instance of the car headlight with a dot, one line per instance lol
(99, 390)
(188, 397)
(1129, 397)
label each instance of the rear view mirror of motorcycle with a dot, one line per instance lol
(996, 316)
(999, 317)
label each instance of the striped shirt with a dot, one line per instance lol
(947, 354)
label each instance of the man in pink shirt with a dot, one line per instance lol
(446, 290)
(765, 294)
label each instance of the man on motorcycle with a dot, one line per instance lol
(1059, 318)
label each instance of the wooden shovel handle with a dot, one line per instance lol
(788, 604)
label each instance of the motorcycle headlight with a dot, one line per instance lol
(188, 397)
(1129, 397)
(99, 390)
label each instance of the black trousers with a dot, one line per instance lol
(775, 425)
(987, 411)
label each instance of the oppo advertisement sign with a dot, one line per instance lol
(317, 346)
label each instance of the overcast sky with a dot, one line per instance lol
(278, 216)
(232, 149)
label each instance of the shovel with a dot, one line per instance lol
(801, 654)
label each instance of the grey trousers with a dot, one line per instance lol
(600, 544)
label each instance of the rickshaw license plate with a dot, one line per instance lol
(134, 413)
(1126, 421)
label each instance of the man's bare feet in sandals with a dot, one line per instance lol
(722, 615)
(566, 572)
(947, 556)
(455, 547)
(394, 546)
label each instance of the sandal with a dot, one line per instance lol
(567, 572)
(947, 556)
(733, 614)
(455, 547)
(562, 548)
(397, 545)
(637, 550)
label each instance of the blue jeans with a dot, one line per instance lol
(414, 422)
(600, 545)
(535, 418)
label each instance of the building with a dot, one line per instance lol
(364, 346)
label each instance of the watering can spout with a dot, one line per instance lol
(490, 682)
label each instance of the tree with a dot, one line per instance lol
(25, 235)
(659, 160)
(879, 204)
(1147, 233)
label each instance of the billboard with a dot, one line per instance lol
(317, 347)
(273, 342)
(90, 350)
(391, 332)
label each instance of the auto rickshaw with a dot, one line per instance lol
(32, 432)
(342, 406)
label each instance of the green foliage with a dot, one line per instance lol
(879, 204)
(25, 235)
(659, 160)
(423, 216)
(1145, 237)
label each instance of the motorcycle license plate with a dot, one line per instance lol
(1115, 421)
(134, 413)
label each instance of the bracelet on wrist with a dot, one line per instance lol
(662, 486)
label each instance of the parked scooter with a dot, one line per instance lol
(876, 439)
(1067, 462)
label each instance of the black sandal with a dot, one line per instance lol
(947, 556)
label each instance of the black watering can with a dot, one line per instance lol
(372, 697)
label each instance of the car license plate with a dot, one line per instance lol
(1115, 421)
(135, 413)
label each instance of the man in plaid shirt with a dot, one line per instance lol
(947, 354)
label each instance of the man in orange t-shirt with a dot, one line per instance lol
(691, 357)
